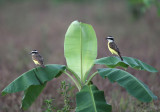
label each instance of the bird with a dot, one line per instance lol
(37, 58)
(113, 47)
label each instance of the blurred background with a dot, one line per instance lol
(26, 25)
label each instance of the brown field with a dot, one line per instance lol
(41, 25)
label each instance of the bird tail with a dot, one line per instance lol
(42, 66)
(120, 57)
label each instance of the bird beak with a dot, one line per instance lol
(30, 53)
(106, 38)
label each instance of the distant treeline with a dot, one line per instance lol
(136, 7)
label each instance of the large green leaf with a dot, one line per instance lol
(80, 47)
(36, 76)
(31, 94)
(90, 99)
(112, 62)
(134, 86)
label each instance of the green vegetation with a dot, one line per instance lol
(80, 48)
(49, 105)
(139, 7)
(65, 89)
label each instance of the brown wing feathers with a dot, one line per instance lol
(114, 46)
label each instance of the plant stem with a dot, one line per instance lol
(75, 75)
(86, 75)
(90, 78)
(78, 86)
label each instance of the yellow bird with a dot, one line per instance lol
(37, 58)
(113, 47)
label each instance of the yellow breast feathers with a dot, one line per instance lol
(112, 50)
(36, 62)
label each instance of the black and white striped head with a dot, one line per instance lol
(110, 39)
(34, 52)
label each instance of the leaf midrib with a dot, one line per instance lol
(81, 50)
(92, 97)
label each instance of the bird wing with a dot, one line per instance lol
(114, 46)
(40, 58)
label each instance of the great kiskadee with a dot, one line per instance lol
(113, 47)
(37, 58)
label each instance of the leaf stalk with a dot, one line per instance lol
(90, 78)
(77, 85)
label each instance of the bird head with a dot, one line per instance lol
(110, 38)
(33, 52)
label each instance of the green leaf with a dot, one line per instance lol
(148, 3)
(31, 94)
(36, 76)
(80, 48)
(113, 62)
(157, 4)
(134, 86)
(90, 99)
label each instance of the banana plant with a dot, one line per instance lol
(80, 49)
